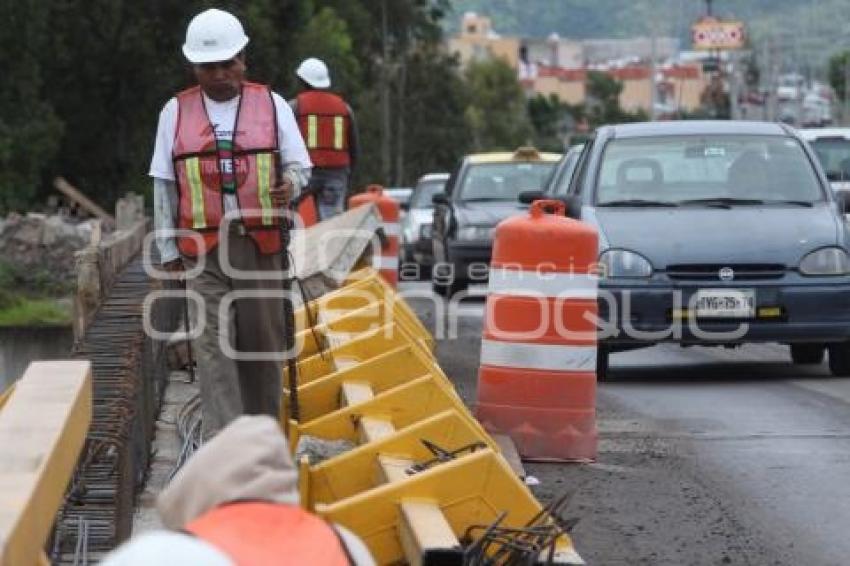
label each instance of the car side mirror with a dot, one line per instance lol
(440, 198)
(405, 206)
(528, 197)
(573, 203)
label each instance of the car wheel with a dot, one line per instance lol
(807, 353)
(448, 290)
(839, 359)
(602, 355)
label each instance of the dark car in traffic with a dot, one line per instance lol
(714, 233)
(481, 192)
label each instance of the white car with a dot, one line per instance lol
(416, 225)
(832, 147)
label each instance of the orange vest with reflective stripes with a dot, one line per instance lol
(270, 534)
(325, 123)
(253, 155)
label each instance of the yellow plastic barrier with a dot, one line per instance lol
(358, 470)
(327, 334)
(424, 473)
(383, 372)
(363, 288)
(401, 406)
(471, 490)
(359, 349)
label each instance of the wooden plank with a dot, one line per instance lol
(372, 429)
(354, 393)
(510, 453)
(85, 202)
(393, 468)
(42, 430)
(425, 530)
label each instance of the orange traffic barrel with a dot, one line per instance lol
(537, 381)
(307, 209)
(388, 208)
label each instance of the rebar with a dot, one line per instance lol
(128, 377)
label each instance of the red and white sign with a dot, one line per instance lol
(711, 33)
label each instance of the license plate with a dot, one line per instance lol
(725, 303)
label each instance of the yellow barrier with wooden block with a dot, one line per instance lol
(363, 288)
(383, 372)
(423, 475)
(360, 470)
(331, 331)
(360, 348)
(43, 427)
(396, 519)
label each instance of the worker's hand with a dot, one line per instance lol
(281, 193)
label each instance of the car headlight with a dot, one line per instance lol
(475, 233)
(826, 261)
(623, 264)
(425, 231)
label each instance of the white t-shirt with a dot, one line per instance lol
(222, 115)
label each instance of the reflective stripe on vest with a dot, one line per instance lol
(312, 131)
(264, 166)
(338, 130)
(196, 187)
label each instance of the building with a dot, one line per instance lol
(554, 65)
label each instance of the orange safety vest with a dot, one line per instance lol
(257, 533)
(325, 123)
(201, 183)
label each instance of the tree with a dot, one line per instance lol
(435, 134)
(839, 68)
(326, 36)
(81, 95)
(29, 127)
(497, 113)
(552, 120)
(603, 93)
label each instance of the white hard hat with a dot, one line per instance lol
(314, 72)
(212, 36)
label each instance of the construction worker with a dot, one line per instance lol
(238, 495)
(330, 131)
(228, 157)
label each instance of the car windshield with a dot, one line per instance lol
(424, 191)
(730, 169)
(503, 181)
(834, 157)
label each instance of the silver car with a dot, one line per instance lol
(716, 233)
(417, 223)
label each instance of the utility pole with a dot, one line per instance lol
(653, 86)
(386, 158)
(846, 113)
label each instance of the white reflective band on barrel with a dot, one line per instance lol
(553, 357)
(567, 285)
(391, 228)
(384, 262)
